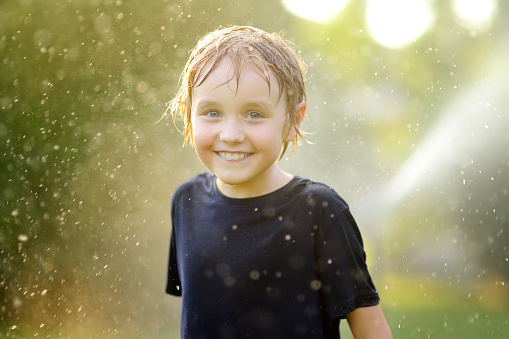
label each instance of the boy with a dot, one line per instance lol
(256, 252)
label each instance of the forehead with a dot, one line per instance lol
(237, 79)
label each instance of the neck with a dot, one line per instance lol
(274, 179)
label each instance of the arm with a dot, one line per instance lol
(369, 323)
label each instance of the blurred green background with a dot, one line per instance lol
(415, 138)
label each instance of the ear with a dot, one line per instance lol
(300, 112)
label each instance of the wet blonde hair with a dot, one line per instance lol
(267, 53)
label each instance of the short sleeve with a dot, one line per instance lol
(342, 269)
(173, 285)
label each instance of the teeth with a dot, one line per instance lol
(233, 156)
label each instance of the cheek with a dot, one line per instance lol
(202, 146)
(268, 138)
(202, 137)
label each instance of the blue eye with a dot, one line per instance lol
(213, 114)
(254, 115)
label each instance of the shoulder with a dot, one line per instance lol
(318, 194)
(200, 183)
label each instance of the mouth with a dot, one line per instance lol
(233, 156)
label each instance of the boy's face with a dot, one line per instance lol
(238, 133)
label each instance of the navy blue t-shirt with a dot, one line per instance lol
(289, 264)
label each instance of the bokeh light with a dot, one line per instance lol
(319, 10)
(395, 23)
(475, 14)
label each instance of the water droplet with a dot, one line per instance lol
(23, 237)
(315, 284)
(255, 275)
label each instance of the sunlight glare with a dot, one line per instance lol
(395, 23)
(320, 11)
(475, 14)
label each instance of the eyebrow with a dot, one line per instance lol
(255, 104)
(264, 106)
(206, 103)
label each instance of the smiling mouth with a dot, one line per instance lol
(233, 156)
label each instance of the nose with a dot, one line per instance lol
(231, 132)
